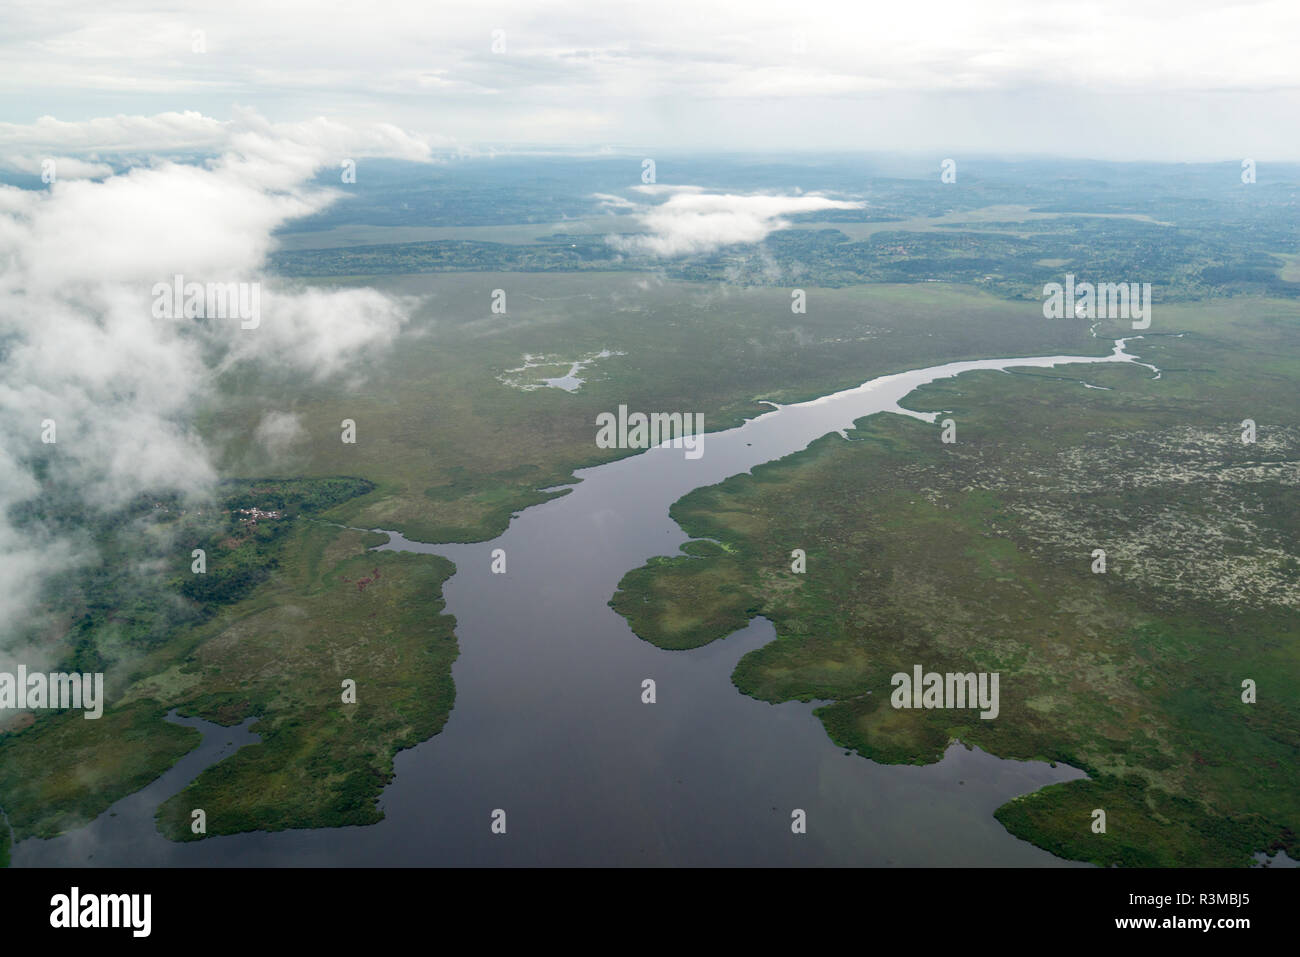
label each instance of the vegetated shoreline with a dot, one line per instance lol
(496, 527)
(220, 710)
(1034, 817)
(626, 453)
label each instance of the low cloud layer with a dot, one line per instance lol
(86, 361)
(277, 432)
(693, 221)
(76, 148)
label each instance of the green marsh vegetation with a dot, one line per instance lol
(445, 451)
(454, 453)
(290, 607)
(977, 556)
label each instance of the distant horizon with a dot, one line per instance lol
(576, 151)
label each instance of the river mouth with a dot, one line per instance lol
(549, 724)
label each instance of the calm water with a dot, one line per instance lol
(549, 724)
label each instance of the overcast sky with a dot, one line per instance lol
(1159, 79)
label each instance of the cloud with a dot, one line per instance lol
(23, 146)
(81, 348)
(706, 46)
(162, 133)
(612, 202)
(322, 333)
(692, 221)
(61, 167)
(277, 432)
(949, 74)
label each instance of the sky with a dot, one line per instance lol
(1182, 80)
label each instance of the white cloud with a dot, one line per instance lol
(79, 343)
(165, 132)
(693, 221)
(249, 135)
(319, 332)
(62, 167)
(277, 432)
(612, 202)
